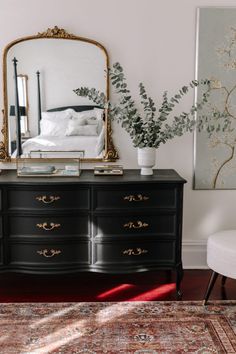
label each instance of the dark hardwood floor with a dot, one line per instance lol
(99, 287)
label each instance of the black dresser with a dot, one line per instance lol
(115, 224)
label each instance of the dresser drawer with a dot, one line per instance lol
(135, 197)
(124, 253)
(48, 199)
(49, 253)
(134, 225)
(48, 226)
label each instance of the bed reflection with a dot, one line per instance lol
(69, 130)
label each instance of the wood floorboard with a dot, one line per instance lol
(99, 287)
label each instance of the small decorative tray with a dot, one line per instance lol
(32, 170)
(48, 167)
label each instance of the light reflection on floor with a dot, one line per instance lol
(79, 328)
(57, 339)
(115, 291)
(148, 295)
(72, 331)
(155, 294)
(55, 314)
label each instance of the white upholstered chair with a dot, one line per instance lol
(221, 257)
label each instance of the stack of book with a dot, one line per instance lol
(108, 170)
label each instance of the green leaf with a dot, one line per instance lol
(147, 128)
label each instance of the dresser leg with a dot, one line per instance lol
(179, 277)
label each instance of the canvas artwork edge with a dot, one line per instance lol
(215, 145)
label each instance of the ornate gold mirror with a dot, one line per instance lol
(41, 110)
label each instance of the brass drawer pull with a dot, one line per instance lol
(135, 225)
(49, 253)
(48, 228)
(47, 199)
(136, 198)
(134, 251)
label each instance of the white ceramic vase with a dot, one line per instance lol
(146, 160)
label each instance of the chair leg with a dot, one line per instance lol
(223, 293)
(211, 284)
(223, 280)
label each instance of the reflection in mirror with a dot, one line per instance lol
(23, 110)
(59, 69)
(23, 102)
(50, 66)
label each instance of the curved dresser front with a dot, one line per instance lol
(115, 224)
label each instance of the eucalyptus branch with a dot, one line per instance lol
(150, 128)
(92, 94)
(147, 102)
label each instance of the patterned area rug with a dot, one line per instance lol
(124, 327)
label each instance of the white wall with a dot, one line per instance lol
(154, 40)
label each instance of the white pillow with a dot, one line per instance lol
(53, 128)
(83, 114)
(75, 129)
(96, 113)
(100, 143)
(97, 118)
(91, 120)
(56, 116)
(100, 126)
(92, 117)
(99, 113)
(95, 121)
(78, 121)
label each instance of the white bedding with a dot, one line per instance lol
(91, 145)
(86, 133)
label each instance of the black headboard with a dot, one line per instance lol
(80, 108)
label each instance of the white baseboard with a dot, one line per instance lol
(194, 254)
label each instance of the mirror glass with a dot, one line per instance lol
(23, 106)
(52, 116)
(23, 102)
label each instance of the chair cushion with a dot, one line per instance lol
(221, 253)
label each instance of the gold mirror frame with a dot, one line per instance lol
(56, 33)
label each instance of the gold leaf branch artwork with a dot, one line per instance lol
(215, 161)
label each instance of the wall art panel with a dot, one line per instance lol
(215, 140)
